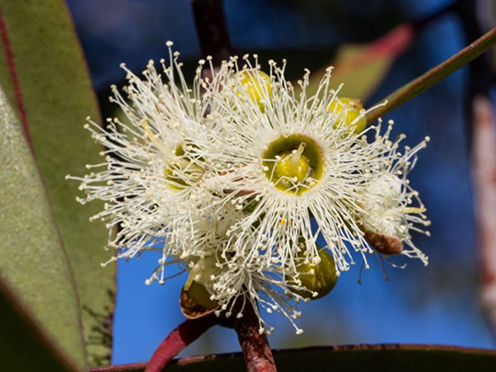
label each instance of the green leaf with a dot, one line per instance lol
(33, 258)
(370, 358)
(24, 346)
(361, 68)
(45, 76)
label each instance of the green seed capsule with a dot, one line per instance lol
(318, 280)
(348, 110)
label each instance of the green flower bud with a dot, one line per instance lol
(319, 279)
(195, 301)
(348, 110)
(257, 84)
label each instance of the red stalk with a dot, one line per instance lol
(178, 339)
(255, 346)
(484, 147)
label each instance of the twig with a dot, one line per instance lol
(212, 29)
(435, 75)
(178, 339)
(484, 155)
(255, 346)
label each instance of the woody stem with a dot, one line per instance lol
(178, 339)
(212, 30)
(255, 346)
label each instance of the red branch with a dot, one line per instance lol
(178, 339)
(255, 346)
(212, 29)
(484, 156)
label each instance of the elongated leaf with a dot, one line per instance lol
(361, 68)
(370, 358)
(43, 71)
(32, 257)
(24, 346)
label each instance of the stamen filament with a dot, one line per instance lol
(413, 210)
(154, 139)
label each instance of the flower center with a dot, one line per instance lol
(293, 163)
(182, 172)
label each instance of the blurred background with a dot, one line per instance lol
(434, 304)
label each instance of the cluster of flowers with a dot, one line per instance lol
(235, 177)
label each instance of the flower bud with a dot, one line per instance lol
(347, 111)
(319, 279)
(257, 84)
(195, 301)
(385, 244)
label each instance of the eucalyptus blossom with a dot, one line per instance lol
(238, 179)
